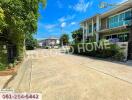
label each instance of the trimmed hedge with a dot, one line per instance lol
(113, 52)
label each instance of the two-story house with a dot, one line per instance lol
(110, 25)
(51, 42)
(114, 22)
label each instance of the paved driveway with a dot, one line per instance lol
(70, 77)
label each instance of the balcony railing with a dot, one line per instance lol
(116, 25)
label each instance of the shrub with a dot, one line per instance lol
(119, 56)
(30, 47)
(2, 67)
(19, 58)
(47, 47)
(113, 51)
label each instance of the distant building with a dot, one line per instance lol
(49, 42)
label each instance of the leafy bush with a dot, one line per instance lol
(47, 47)
(119, 56)
(113, 51)
(31, 42)
(2, 67)
(19, 58)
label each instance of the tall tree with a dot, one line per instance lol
(77, 35)
(30, 42)
(2, 22)
(20, 17)
(64, 39)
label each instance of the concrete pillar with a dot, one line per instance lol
(83, 33)
(97, 28)
(86, 29)
(92, 26)
(97, 23)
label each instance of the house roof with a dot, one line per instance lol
(87, 19)
(50, 38)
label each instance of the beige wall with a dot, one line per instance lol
(124, 46)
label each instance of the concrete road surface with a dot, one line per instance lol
(70, 77)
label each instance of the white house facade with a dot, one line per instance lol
(114, 24)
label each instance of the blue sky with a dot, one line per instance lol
(65, 15)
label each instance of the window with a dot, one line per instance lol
(122, 37)
(114, 36)
(119, 20)
(95, 27)
(128, 14)
(126, 37)
(121, 17)
(90, 28)
(107, 37)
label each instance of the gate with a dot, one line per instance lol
(11, 53)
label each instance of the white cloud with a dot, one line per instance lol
(50, 26)
(82, 5)
(46, 26)
(66, 18)
(62, 19)
(73, 23)
(63, 24)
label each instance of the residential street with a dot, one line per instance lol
(71, 77)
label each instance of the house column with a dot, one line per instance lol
(86, 29)
(83, 33)
(97, 28)
(92, 26)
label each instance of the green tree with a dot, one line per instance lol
(77, 35)
(31, 42)
(2, 22)
(20, 17)
(64, 39)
